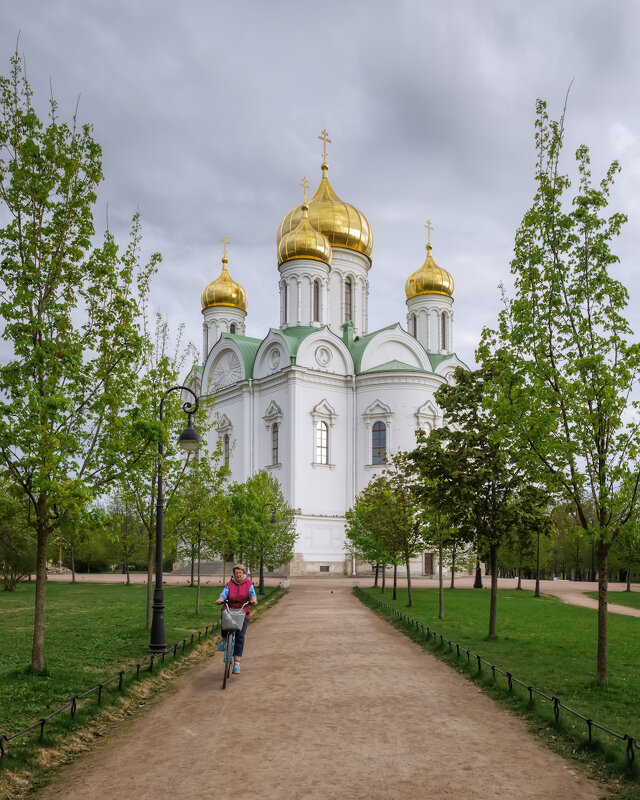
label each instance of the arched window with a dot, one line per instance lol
(415, 327)
(232, 327)
(348, 314)
(379, 443)
(275, 454)
(285, 298)
(322, 443)
(225, 443)
(443, 330)
(316, 301)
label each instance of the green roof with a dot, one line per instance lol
(437, 358)
(295, 336)
(359, 345)
(248, 349)
(393, 366)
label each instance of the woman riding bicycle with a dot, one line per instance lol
(237, 592)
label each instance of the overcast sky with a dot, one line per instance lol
(209, 113)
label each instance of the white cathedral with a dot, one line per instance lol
(321, 401)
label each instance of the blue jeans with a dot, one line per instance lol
(239, 645)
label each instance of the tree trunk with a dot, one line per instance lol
(453, 568)
(126, 569)
(198, 589)
(406, 561)
(384, 578)
(628, 589)
(73, 565)
(519, 586)
(440, 583)
(493, 560)
(37, 652)
(193, 561)
(375, 582)
(395, 581)
(603, 669)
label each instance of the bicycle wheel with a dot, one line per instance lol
(228, 656)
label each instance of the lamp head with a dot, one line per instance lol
(189, 439)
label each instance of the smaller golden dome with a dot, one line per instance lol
(224, 291)
(429, 279)
(304, 241)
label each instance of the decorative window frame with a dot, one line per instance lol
(273, 416)
(377, 412)
(224, 425)
(323, 412)
(427, 414)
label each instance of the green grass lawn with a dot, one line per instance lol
(92, 631)
(547, 644)
(631, 599)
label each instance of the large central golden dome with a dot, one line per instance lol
(341, 223)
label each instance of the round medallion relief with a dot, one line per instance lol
(227, 369)
(323, 356)
(274, 358)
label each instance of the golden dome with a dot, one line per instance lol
(224, 291)
(429, 279)
(341, 223)
(304, 242)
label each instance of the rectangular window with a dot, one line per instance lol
(322, 443)
(379, 443)
(275, 444)
(347, 300)
(324, 569)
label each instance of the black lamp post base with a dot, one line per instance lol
(158, 635)
(478, 581)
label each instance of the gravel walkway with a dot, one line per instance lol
(332, 702)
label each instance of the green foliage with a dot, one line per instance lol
(562, 359)
(199, 512)
(17, 540)
(472, 479)
(256, 536)
(71, 317)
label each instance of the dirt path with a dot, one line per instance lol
(332, 702)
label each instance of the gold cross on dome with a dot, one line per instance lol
(305, 185)
(225, 241)
(325, 138)
(429, 228)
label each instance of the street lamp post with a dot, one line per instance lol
(273, 521)
(189, 441)
(537, 591)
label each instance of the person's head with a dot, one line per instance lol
(239, 572)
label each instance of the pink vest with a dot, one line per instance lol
(239, 594)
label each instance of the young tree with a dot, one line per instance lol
(70, 310)
(627, 549)
(260, 541)
(361, 534)
(159, 368)
(17, 541)
(470, 477)
(125, 532)
(402, 531)
(200, 508)
(563, 364)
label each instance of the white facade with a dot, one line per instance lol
(315, 399)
